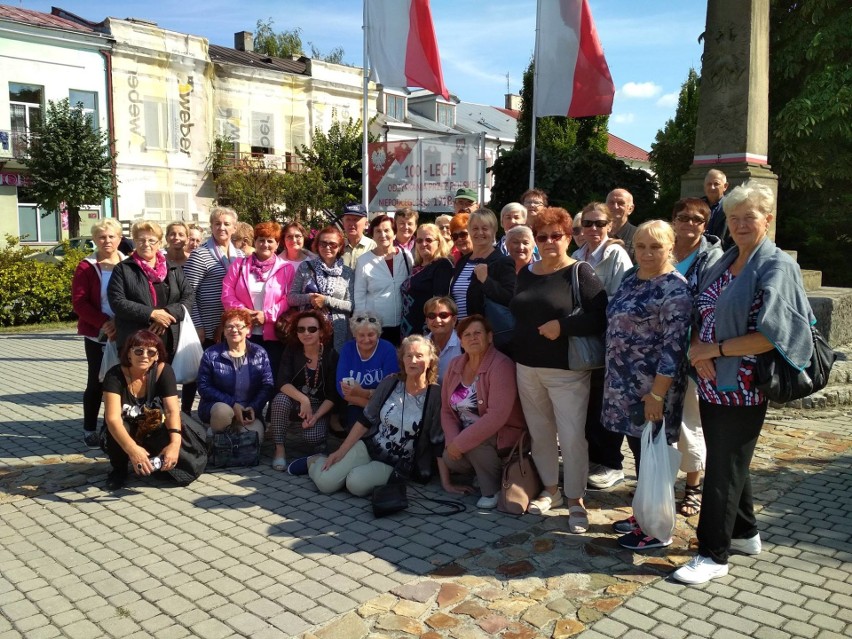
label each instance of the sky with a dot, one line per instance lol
(649, 46)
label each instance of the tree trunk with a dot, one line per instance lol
(73, 221)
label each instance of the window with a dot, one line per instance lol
(161, 124)
(35, 224)
(89, 102)
(446, 115)
(25, 104)
(161, 205)
(262, 133)
(395, 106)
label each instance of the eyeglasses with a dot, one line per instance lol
(553, 237)
(294, 237)
(690, 219)
(459, 235)
(235, 328)
(329, 245)
(529, 203)
(424, 240)
(599, 224)
(148, 352)
(364, 318)
(307, 329)
(148, 242)
(444, 315)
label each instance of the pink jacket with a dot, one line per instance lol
(499, 412)
(236, 294)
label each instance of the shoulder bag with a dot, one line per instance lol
(231, 449)
(585, 352)
(781, 383)
(521, 483)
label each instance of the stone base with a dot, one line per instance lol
(812, 280)
(833, 310)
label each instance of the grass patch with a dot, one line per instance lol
(47, 327)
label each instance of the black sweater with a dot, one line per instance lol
(541, 298)
(498, 287)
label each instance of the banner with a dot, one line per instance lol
(423, 174)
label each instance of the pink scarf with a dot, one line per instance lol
(156, 274)
(259, 269)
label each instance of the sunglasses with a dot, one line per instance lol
(596, 223)
(235, 328)
(148, 352)
(330, 245)
(553, 237)
(424, 240)
(444, 315)
(307, 329)
(364, 318)
(692, 219)
(459, 235)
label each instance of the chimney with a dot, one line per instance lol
(513, 101)
(244, 41)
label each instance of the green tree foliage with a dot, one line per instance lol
(33, 292)
(810, 144)
(281, 44)
(336, 156)
(69, 161)
(674, 147)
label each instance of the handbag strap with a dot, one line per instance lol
(575, 289)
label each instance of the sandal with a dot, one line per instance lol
(578, 519)
(279, 464)
(691, 504)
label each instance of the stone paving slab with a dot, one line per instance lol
(256, 553)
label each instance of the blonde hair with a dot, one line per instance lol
(658, 230)
(106, 224)
(218, 211)
(144, 226)
(485, 215)
(443, 249)
(443, 218)
(431, 370)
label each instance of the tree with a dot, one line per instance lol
(672, 152)
(284, 44)
(69, 161)
(336, 155)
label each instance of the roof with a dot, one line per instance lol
(227, 55)
(479, 118)
(39, 19)
(512, 113)
(623, 149)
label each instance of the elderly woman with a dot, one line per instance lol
(326, 284)
(142, 416)
(261, 283)
(751, 301)
(693, 254)
(606, 256)
(484, 273)
(145, 292)
(292, 241)
(176, 249)
(441, 314)
(520, 245)
(443, 224)
(194, 237)
(243, 237)
(430, 277)
(553, 396)
(205, 270)
(379, 275)
(234, 378)
(459, 236)
(399, 429)
(512, 215)
(646, 342)
(479, 426)
(577, 229)
(94, 316)
(307, 389)
(364, 362)
(404, 226)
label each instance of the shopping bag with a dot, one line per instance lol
(188, 352)
(109, 359)
(654, 501)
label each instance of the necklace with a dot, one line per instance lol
(308, 361)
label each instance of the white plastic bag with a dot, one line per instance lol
(109, 360)
(188, 352)
(654, 502)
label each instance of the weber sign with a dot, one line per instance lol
(423, 174)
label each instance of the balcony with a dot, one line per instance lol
(13, 145)
(228, 159)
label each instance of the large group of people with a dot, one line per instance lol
(427, 350)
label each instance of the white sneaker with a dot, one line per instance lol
(699, 570)
(545, 502)
(487, 503)
(749, 546)
(602, 477)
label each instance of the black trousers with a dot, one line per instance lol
(93, 395)
(604, 444)
(187, 392)
(727, 508)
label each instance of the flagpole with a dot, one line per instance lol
(365, 155)
(535, 92)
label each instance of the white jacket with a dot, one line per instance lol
(377, 289)
(612, 267)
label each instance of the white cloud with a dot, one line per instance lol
(623, 118)
(668, 100)
(640, 90)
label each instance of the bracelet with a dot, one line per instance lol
(655, 396)
(173, 430)
(721, 354)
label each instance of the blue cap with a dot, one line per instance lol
(355, 209)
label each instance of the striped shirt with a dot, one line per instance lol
(204, 270)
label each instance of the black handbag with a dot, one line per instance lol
(781, 383)
(390, 498)
(231, 449)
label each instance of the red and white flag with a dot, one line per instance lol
(401, 45)
(573, 77)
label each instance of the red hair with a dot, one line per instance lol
(554, 216)
(326, 332)
(329, 230)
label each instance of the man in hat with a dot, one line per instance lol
(466, 201)
(354, 223)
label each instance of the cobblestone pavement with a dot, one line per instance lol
(257, 553)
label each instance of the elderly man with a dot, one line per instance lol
(466, 201)
(620, 205)
(354, 223)
(533, 200)
(715, 185)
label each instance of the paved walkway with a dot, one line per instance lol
(257, 553)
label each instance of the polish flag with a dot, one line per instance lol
(401, 45)
(572, 75)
